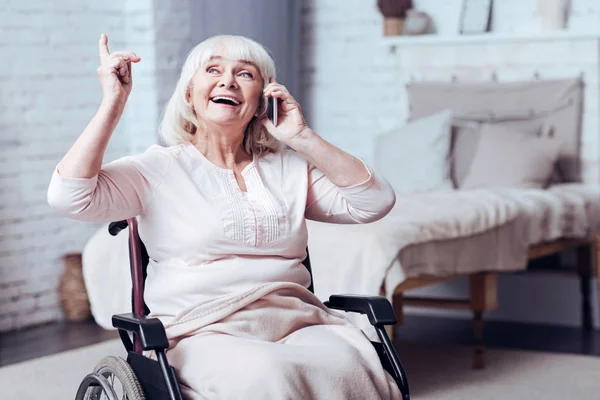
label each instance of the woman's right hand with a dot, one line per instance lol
(115, 72)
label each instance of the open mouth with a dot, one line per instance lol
(226, 100)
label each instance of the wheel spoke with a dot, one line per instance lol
(117, 386)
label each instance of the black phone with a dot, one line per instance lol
(272, 109)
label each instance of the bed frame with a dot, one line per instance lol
(483, 293)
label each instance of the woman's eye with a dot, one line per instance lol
(246, 74)
(212, 70)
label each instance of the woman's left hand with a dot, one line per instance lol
(290, 121)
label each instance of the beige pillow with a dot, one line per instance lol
(465, 139)
(556, 101)
(509, 158)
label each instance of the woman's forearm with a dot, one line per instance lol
(84, 158)
(341, 168)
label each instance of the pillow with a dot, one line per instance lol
(557, 101)
(465, 139)
(509, 158)
(415, 157)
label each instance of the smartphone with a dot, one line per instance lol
(272, 109)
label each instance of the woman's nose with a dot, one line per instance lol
(228, 80)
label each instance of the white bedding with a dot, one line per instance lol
(503, 224)
(553, 215)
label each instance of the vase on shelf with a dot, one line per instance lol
(416, 22)
(394, 13)
(553, 14)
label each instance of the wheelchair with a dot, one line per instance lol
(142, 378)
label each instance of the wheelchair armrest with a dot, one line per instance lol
(115, 227)
(150, 331)
(378, 308)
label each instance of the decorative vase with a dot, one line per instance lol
(394, 12)
(553, 14)
(393, 26)
(416, 22)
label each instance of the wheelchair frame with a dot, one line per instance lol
(158, 379)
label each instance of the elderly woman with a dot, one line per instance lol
(222, 212)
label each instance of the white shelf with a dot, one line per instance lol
(491, 37)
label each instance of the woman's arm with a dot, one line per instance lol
(84, 158)
(80, 186)
(341, 168)
(341, 188)
(122, 189)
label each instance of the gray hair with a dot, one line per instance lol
(179, 123)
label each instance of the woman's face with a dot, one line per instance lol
(226, 92)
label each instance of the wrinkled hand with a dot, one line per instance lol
(290, 121)
(115, 71)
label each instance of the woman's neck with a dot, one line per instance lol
(223, 149)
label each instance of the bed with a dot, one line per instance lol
(436, 234)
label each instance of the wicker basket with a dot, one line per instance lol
(71, 291)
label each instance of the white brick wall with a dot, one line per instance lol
(142, 112)
(49, 93)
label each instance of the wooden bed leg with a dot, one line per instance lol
(484, 297)
(397, 304)
(585, 269)
(389, 329)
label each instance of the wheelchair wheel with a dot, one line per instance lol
(112, 379)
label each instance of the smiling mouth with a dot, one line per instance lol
(230, 101)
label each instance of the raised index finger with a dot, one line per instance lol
(103, 48)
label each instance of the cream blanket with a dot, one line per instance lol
(363, 259)
(276, 341)
(356, 259)
(280, 341)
